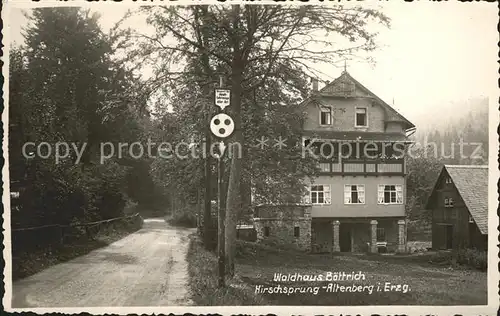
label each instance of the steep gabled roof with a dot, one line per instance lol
(471, 182)
(392, 114)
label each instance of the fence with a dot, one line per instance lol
(25, 239)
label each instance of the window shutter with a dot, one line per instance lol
(347, 194)
(399, 194)
(381, 194)
(327, 195)
(361, 194)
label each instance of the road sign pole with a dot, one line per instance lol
(221, 217)
(221, 211)
(222, 126)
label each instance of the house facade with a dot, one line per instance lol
(357, 202)
(459, 205)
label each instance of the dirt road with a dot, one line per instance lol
(146, 268)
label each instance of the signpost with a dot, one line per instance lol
(222, 98)
(222, 126)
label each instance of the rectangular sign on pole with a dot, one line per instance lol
(222, 98)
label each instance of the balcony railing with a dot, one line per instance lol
(363, 167)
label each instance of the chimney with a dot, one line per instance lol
(314, 82)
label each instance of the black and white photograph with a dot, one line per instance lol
(256, 157)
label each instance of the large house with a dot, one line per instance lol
(459, 205)
(357, 203)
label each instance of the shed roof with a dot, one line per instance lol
(471, 182)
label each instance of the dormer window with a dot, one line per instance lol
(325, 116)
(361, 117)
(448, 180)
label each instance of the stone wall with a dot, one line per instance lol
(285, 225)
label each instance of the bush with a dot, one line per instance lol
(474, 258)
(442, 257)
(246, 249)
(468, 257)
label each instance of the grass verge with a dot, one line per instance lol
(416, 281)
(203, 275)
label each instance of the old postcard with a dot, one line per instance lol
(236, 157)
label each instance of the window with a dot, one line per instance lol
(390, 194)
(354, 194)
(266, 231)
(448, 180)
(325, 116)
(471, 220)
(361, 118)
(448, 202)
(324, 167)
(380, 234)
(296, 232)
(320, 194)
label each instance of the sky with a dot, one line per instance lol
(434, 54)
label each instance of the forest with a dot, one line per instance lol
(66, 86)
(460, 140)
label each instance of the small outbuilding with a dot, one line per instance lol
(459, 205)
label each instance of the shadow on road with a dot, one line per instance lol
(116, 257)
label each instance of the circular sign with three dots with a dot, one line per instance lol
(222, 125)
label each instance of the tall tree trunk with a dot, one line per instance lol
(233, 204)
(246, 189)
(209, 235)
(208, 232)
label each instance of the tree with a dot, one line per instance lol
(257, 48)
(423, 170)
(67, 86)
